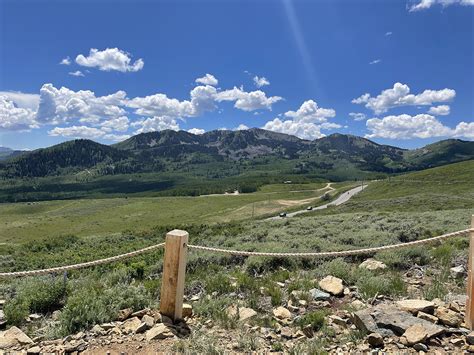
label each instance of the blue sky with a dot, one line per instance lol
(397, 72)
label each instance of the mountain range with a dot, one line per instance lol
(239, 151)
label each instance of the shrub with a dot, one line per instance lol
(35, 295)
(403, 259)
(92, 304)
(370, 285)
(16, 310)
(316, 319)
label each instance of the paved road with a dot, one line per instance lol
(338, 201)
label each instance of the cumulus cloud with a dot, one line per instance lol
(65, 61)
(77, 132)
(247, 101)
(207, 79)
(241, 127)
(306, 122)
(76, 73)
(197, 131)
(441, 110)
(65, 105)
(356, 116)
(309, 111)
(14, 118)
(419, 126)
(110, 59)
(21, 99)
(376, 61)
(155, 124)
(119, 124)
(426, 4)
(389, 33)
(400, 95)
(260, 81)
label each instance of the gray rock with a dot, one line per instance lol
(398, 321)
(319, 295)
(159, 331)
(420, 347)
(458, 271)
(470, 338)
(375, 340)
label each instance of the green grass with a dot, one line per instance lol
(22, 222)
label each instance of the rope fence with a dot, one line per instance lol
(239, 252)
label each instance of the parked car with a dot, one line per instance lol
(283, 214)
(309, 208)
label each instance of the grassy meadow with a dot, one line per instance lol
(404, 208)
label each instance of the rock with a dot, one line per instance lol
(338, 320)
(415, 306)
(458, 342)
(123, 314)
(131, 325)
(375, 340)
(12, 337)
(148, 320)
(420, 347)
(364, 321)
(415, 334)
(141, 328)
(398, 321)
(35, 316)
(159, 331)
(187, 310)
(428, 317)
(244, 312)
(319, 295)
(332, 284)
(97, 329)
(55, 315)
(34, 350)
(107, 326)
(356, 304)
(286, 332)
(373, 265)
(282, 313)
(79, 345)
(448, 317)
(140, 313)
(458, 271)
(470, 338)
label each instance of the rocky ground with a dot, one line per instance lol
(350, 324)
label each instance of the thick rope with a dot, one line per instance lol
(82, 265)
(238, 252)
(336, 253)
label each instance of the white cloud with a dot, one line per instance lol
(300, 129)
(358, 116)
(155, 124)
(260, 81)
(441, 110)
(309, 111)
(307, 122)
(14, 118)
(77, 132)
(389, 33)
(464, 130)
(65, 61)
(376, 61)
(22, 100)
(207, 79)
(247, 101)
(119, 124)
(76, 73)
(400, 95)
(110, 59)
(241, 127)
(64, 105)
(426, 4)
(419, 126)
(197, 131)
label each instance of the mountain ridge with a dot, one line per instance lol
(169, 150)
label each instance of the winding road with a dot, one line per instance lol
(346, 196)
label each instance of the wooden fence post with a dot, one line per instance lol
(174, 269)
(470, 282)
